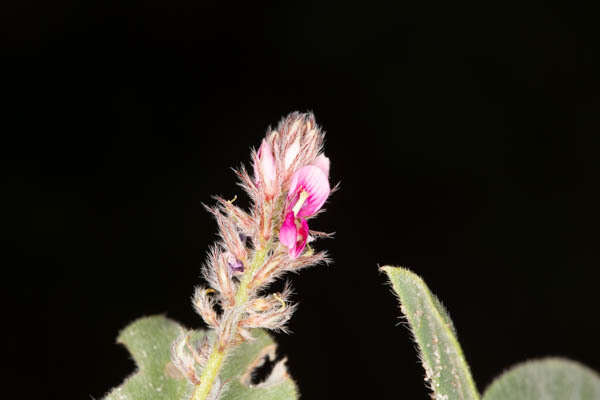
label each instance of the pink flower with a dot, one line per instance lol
(293, 234)
(322, 163)
(265, 171)
(309, 189)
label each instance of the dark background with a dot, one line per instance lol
(465, 138)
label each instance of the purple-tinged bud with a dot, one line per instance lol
(244, 238)
(235, 265)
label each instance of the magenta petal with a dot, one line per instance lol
(312, 180)
(323, 163)
(301, 238)
(288, 232)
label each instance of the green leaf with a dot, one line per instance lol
(149, 341)
(446, 370)
(546, 379)
(238, 369)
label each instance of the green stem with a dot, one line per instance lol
(209, 374)
(215, 360)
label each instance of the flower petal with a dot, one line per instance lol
(301, 238)
(288, 232)
(323, 163)
(314, 182)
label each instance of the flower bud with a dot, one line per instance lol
(265, 171)
(291, 153)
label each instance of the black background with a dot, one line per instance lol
(465, 137)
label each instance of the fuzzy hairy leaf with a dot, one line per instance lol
(446, 370)
(149, 341)
(546, 379)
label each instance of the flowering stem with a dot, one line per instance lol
(209, 373)
(259, 257)
(215, 360)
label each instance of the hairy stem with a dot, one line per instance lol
(215, 360)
